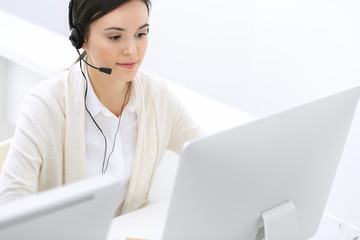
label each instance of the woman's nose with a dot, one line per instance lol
(130, 48)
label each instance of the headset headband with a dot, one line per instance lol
(76, 37)
(71, 3)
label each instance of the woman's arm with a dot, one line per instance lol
(36, 133)
(184, 128)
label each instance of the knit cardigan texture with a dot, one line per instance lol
(48, 147)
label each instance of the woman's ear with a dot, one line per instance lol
(85, 45)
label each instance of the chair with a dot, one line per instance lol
(4, 148)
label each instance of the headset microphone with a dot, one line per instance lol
(101, 69)
(77, 39)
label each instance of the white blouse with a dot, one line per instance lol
(120, 162)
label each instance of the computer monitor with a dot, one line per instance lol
(80, 210)
(266, 179)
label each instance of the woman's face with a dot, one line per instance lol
(118, 40)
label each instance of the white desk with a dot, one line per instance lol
(146, 223)
(328, 229)
(149, 222)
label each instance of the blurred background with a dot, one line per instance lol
(258, 56)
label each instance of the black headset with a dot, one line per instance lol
(76, 36)
(77, 40)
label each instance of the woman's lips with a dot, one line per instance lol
(127, 65)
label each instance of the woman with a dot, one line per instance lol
(86, 122)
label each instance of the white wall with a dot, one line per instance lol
(302, 50)
(49, 14)
(258, 56)
(204, 45)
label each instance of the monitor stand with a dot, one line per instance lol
(281, 222)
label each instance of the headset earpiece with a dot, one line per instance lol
(76, 38)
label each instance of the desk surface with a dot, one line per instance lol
(149, 222)
(146, 223)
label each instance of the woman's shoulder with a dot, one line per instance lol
(51, 93)
(152, 83)
(53, 86)
(44, 89)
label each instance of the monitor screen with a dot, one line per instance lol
(80, 210)
(266, 179)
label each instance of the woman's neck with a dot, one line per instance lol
(111, 92)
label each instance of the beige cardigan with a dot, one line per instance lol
(48, 148)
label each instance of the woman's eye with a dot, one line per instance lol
(140, 35)
(114, 37)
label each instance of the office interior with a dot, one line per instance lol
(255, 57)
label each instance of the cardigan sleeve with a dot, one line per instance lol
(184, 128)
(35, 134)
